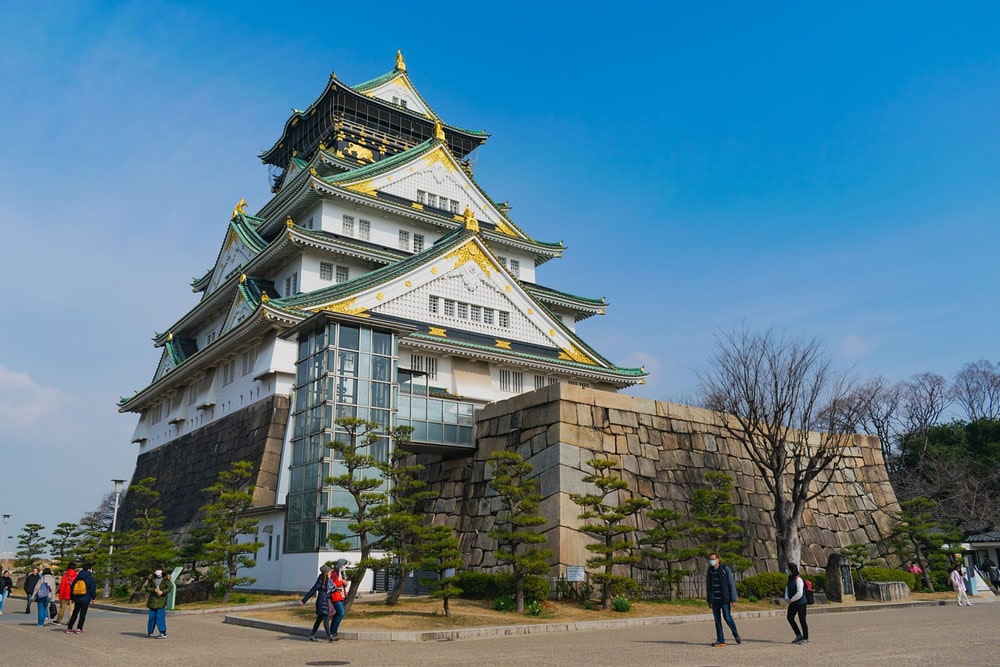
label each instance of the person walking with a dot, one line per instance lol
(720, 592)
(158, 585)
(45, 587)
(957, 578)
(83, 592)
(795, 598)
(65, 586)
(323, 588)
(6, 586)
(338, 596)
(29, 587)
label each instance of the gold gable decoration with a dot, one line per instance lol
(470, 252)
(346, 306)
(438, 156)
(469, 218)
(503, 228)
(400, 64)
(571, 353)
(438, 130)
(364, 187)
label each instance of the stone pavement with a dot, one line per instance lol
(900, 636)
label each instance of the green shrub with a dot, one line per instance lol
(941, 580)
(763, 586)
(751, 598)
(819, 581)
(535, 608)
(620, 603)
(625, 588)
(503, 603)
(489, 586)
(888, 574)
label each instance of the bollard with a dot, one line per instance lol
(172, 595)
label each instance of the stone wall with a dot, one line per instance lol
(664, 450)
(192, 462)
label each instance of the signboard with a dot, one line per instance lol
(575, 573)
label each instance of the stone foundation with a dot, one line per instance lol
(190, 463)
(664, 450)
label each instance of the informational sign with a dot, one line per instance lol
(575, 573)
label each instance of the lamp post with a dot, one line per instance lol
(3, 540)
(114, 524)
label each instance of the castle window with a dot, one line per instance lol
(248, 358)
(192, 394)
(229, 372)
(476, 313)
(364, 230)
(511, 381)
(454, 206)
(292, 284)
(463, 311)
(585, 385)
(504, 319)
(418, 242)
(449, 308)
(343, 274)
(487, 316)
(427, 365)
(404, 240)
(325, 271)
(515, 268)
(432, 304)
(421, 196)
(539, 381)
(156, 414)
(309, 224)
(402, 103)
(348, 225)
(432, 200)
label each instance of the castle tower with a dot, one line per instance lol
(379, 281)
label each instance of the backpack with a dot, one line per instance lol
(79, 587)
(810, 597)
(43, 590)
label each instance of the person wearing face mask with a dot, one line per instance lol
(158, 585)
(720, 589)
(795, 598)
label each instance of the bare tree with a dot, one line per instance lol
(794, 415)
(925, 398)
(879, 404)
(977, 389)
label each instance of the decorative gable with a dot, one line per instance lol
(239, 311)
(165, 366)
(399, 91)
(234, 256)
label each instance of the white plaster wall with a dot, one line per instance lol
(384, 228)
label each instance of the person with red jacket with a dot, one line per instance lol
(65, 586)
(338, 596)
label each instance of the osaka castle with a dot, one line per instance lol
(379, 281)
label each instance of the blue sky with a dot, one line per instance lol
(831, 171)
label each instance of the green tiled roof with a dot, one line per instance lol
(247, 233)
(252, 289)
(548, 291)
(376, 168)
(179, 349)
(373, 249)
(611, 368)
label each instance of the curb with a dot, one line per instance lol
(543, 628)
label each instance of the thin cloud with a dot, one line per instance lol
(855, 347)
(23, 402)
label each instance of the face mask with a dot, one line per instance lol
(712, 562)
(158, 573)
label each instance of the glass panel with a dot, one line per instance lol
(419, 431)
(419, 409)
(364, 366)
(435, 433)
(450, 412)
(466, 413)
(308, 536)
(405, 383)
(450, 433)
(346, 411)
(366, 340)
(331, 333)
(381, 395)
(403, 408)
(298, 452)
(303, 347)
(347, 390)
(435, 410)
(381, 417)
(294, 507)
(293, 537)
(347, 363)
(301, 372)
(465, 435)
(319, 340)
(381, 368)
(381, 343)
(349, 337)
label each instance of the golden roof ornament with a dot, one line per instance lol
(264, 298)
(400, 65)
(470, 220)
(240, 208)
(170, 337)
(288, 222)
(438, 130)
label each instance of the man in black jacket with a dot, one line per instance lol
(29, 587)
(720, 592)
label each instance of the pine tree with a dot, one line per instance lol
(518, 515)
(64, 539)
(29, 545)
(605, 513)
(717, 526)
(398, 520)
(367, 490)
(441, 555)
(919, 536)
(662, 544)
(226, 520)
(147, 544)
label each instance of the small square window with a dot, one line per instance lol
(343, 274)
(432, 304)
(348, 225)
(418, 242)
(364, 230)
(487, 316)
(404, 240)
(515, 268)
(463, 310)
(504, 319)
(453, 205)
(449, 308)
(325, 271)
(432, 200)
(476, 313)
(421, 196)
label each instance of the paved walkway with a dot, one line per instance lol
(904, 636)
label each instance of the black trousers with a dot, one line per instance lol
(800, 610)
(79, 612)
(325, 620)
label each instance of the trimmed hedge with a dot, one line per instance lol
(888, 574)
(489, 586)
(819, 581)
(763, 586)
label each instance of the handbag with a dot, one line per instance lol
(53, 610)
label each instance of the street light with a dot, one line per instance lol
(3, 540)
(114, 524)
